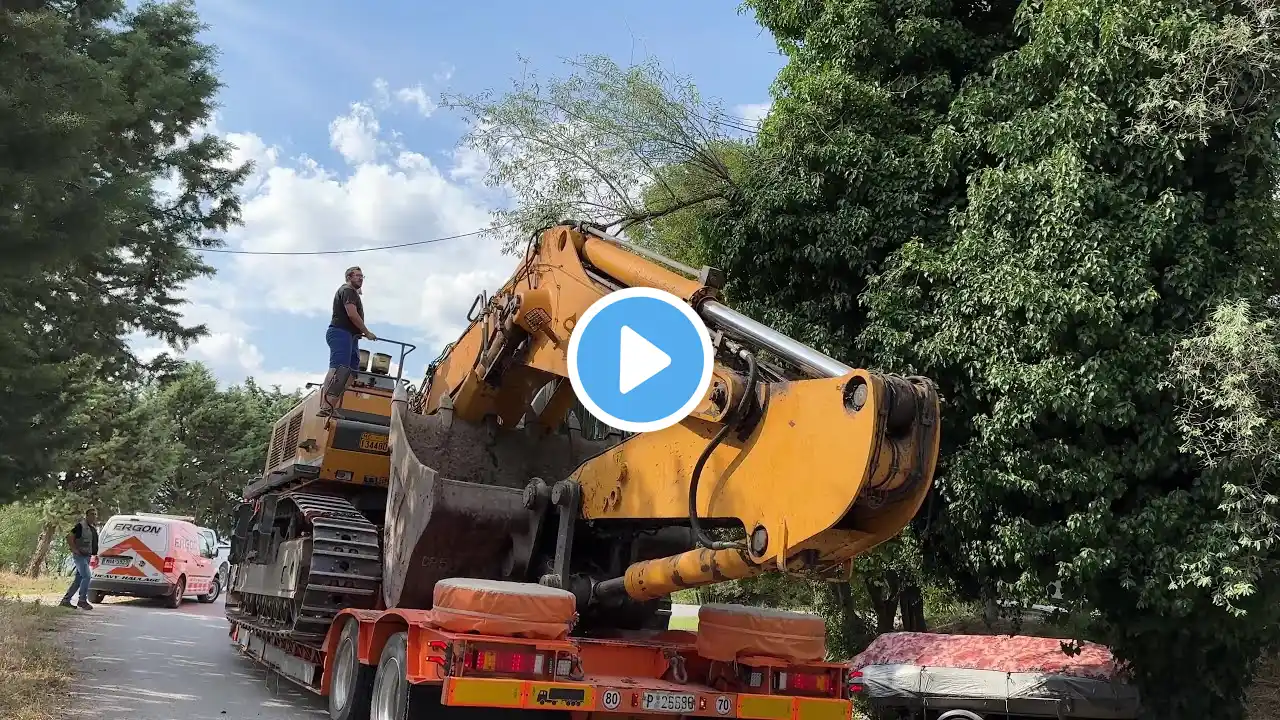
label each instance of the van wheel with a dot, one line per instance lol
(96, 596)
(351, 687)
(215, 589)
(175, 600)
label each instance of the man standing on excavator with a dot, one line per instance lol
(346, 327)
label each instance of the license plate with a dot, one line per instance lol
(373, 442)
(665, 702)
(115, 560)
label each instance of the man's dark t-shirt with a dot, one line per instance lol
(92, 542)
(346, 294)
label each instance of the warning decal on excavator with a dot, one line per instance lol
(373, 442)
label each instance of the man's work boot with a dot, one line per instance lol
(66, 604)
(84, 605)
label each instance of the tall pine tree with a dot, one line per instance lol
(98, 103)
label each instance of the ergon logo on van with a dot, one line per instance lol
(136, 528)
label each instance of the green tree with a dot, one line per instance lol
(93, 250)
(20, 528)
(1113, 192)
(1229, 415)
(630, 147)
(845, 173)
(126, 456)
(1034, 204)
(223, 436)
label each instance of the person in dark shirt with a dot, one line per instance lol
(82, 541)
(346, 327)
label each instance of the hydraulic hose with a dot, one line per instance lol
(739, 412)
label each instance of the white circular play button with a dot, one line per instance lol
(640, 359)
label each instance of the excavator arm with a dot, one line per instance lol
(792, 461)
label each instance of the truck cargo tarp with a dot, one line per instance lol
(1002, 674)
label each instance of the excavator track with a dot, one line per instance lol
(336, 555)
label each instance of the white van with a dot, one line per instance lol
(148, 555)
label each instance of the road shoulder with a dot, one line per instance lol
(35, 659)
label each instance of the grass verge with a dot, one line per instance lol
(34, 664)
(21, 585)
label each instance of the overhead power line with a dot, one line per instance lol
(228, 251)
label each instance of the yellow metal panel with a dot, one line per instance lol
(815, 709)
(483, 692)
(764, 707)
(561, 695)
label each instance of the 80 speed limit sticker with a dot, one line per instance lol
(612, 699)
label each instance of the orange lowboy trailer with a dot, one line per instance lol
(490, 646)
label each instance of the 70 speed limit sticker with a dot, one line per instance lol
(723, 705)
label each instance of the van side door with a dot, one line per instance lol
(207, 553)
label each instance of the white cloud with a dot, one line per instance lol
(354, 135)
(415, 97)
(418, 98)
(753, 113)
(444, 75)
(383, 193)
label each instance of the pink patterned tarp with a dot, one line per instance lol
(1004, 653)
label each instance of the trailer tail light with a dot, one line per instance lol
(93, 562)
(855, 682)
(799, 682)
(168, 565)
(521, 661)
(438, 653)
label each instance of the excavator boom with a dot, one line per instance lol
(809, 461)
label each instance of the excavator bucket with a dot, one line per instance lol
(456, 504)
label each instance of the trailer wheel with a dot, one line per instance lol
(96, 596)
(351, 688)
(390, 685)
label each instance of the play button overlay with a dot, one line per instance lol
(640, 359)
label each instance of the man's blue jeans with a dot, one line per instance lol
(81, 581)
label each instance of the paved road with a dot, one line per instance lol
(140, 661)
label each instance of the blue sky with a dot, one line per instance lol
(335, 103)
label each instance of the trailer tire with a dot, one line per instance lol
(351, 687)
(390, 684)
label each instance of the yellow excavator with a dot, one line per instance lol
(490, 469)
